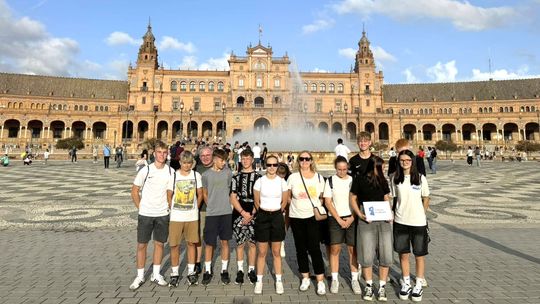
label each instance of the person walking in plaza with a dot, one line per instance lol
(243, 216)
(478, 155)
(186, 198)
(433, 155)
(264, 155)
(404, 144)
(46, 155)
(94, 154)
(429, 158)
(342, 150)
(257, 155)
(106, 155)
(470, 154)
(271, 194)
(374, 239)
(205, 163)
(149, 194)
(4, 160)
(305, 187)
(119, 156)
(216, 182)
(74, 154)
(341, 223)
(410, 223)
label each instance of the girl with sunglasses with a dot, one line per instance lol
(305, 187)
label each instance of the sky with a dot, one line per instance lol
(413, 41)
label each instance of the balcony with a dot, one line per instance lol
(144, 89)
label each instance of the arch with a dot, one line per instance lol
(323, 127)
(12, 126)
(369, 127)
(202, 86)
(322, 88)
(305, 87)
(76, 108)
(261, 124)
(409, 132)
(511, 132)
(384, 134)
(207, 129)
(9, 105)
(192, 86)
(35, 127)
(259, 102)
(501, 110)
(428, 130)
(142, 130)
(240, 101)
(221, 128)
(468, 131)
(177, 130)
(162, 130)
(220, 86)
(488, 130)
(211, 86)
(351, 130)
(58, 128)
(337, 128)
(20, 105)
(99, 130)
(331, 88)
(174, 85)
(78, 129)
(527, 109)
(309, 125)
(183, 86)
(340, 87)
(127, 130)
(32, 105)
(193, 128)
(313, 88)
(532, 131)
(449, 132)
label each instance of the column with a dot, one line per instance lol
(65, 132)
(2, 132)
(42, 132)
(48, 132)
(457, 136)
(20, 131)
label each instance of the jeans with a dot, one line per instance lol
(306, 240)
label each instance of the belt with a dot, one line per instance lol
(270, 212)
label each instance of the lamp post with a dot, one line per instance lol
(181, 123)
(223, 127)
(189, 124)
(331, 120)
(346, 108)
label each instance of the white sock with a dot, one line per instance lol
(157, 268)
(250, 268)
(259, 278)
(407, 280)
(140, 272)
(354, 276)
(419, 282)
(175, 270)
(382, 283)
(224, 265)
(190, 268)
(278, 278)
(334, 276)
(208, 266)
(240, 265)
(369, 282)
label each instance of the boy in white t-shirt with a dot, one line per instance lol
(153, 218)
(185, 198)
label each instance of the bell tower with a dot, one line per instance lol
(148, 55)
(364, 55)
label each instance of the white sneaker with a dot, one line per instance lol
(279, 287)
(355, 285)
(321, 288)
(282, 250)
(305, 284)
(258, 288)
(159, 280)
(416, 294)
(136, 283)
(334, 287)
(423, 281)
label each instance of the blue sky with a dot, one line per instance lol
(413, 40)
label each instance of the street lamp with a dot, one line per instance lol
(189, 123)
(346, 108)
(223, 128)
(331, 120)
(181, 123)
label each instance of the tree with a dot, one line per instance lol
(527, 146)
(446, 146)
(150, 143)
(68, 143)
(378, 146)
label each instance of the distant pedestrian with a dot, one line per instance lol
(4, 160)
(46, 155)
(118, 156)
(106, 155)
(433, 160)
(257, 156)
(430, 157)
(74, 154)
(94, 154)
(478, 155)
(342, 150)
(470, 154)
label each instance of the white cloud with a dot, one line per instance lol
(188, 63)
(317, 70)
(381, 55)
(219, 64)
(462, 14)
(443, 72)
(410, 78)
(318, 25)
(349, 53)
(120, 38)
(503, 74)
(174, 44)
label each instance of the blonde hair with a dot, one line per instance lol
(186, 157)
(312, 165)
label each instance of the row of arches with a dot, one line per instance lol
(322, 87)
(12, 128)
(193, 86)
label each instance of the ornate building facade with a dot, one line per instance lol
(261, 91)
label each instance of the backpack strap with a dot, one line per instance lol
(330, 182)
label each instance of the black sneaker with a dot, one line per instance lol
(225, 279)
(175, 281)
(198, 268)
(206, 278)
(252, 276)
(416, 294)
(239, 277)
(193, 279)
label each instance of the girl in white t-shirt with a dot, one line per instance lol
(270, 196)
(410, 223)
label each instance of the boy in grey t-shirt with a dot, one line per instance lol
(216, 184)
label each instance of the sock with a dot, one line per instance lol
(369, 282)
(174, 271)
(250, 268)
(407, 280)
(278, 278)
(224, 265)
(208, 266)
(382, 283)
(259, 278)
(240, 265)
(419, 282)
(157, 268)
(191, 268)
(140, 272)
(334, 276)
(354, 276)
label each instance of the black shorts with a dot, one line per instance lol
(269, 226)
(339, 235)
(324, 232)
(405, 236)
(217, 225)
(148, 224)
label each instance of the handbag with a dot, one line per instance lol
(319, 216)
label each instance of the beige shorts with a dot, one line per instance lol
(183, 230)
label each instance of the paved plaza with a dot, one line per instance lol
(68, 236)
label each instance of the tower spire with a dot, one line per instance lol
(260, 33)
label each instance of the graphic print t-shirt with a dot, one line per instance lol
(242, 185)
(300, 204)
(184, 202)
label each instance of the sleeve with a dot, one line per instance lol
(284, 187)
(234, 187)
(198, 179)
(424, 186)
(327, 190)
(290, 182)
(139, 179)
(393, 188)
(257, 185)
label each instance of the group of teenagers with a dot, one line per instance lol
(204, 201)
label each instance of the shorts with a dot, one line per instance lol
(218, 225)
(243, 233)
(405, 236)
(146, 225)
(269, 226)
(183, 230)
(339, 235)
(324, 232)
(374, 239)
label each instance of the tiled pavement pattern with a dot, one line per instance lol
(67, 236)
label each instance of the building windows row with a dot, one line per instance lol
(193, 85)
(503, 110)
(465, 110)
(487, 110)
(527, 109)
(322, 88)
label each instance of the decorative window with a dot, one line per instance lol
(318, 105)
(322, 88)
(174, 86)
(313, 88)
(220, 86)
(367, 102)
(241, 82)
(217, 104)
(183, 86)
(76, 108)
(305, 87)
(196, 104)
(192, 86)
(211, 86)
(259, 81)
(202, 86)
(340, 88)
(143, 100)
(331, 88)
(338, 105)
(277, 82)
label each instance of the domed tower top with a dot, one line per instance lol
(364, 55)
(148, 54)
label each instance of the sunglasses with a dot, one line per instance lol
(405, 160)
(304, 158)
(272, 165)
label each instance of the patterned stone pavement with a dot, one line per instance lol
(68, 236)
